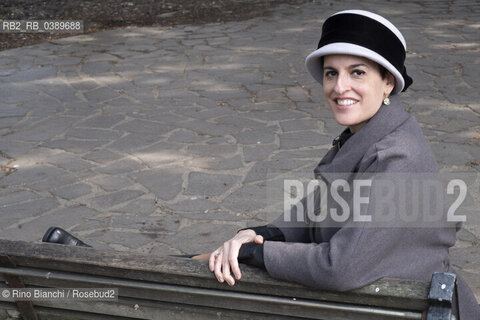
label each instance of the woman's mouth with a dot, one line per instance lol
(345, 103)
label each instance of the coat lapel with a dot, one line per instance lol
(347, 158)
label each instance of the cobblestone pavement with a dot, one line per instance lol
(161, 140)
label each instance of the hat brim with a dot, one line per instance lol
(315, 68)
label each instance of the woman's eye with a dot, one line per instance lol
(358, 72)
(329, 74)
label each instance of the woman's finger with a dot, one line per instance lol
(258, 239)
(218, 267)
(226, 271)
(212, 258)
(233, 259)
(226, 276)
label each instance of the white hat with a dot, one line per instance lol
(365, 34)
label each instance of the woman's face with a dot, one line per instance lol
(354, 88)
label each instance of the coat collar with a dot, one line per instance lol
(346, 159)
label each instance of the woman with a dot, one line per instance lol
(360, 63)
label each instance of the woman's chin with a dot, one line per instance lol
(345, 122)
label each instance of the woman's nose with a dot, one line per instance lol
(342, 84)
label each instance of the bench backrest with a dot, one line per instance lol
(163, 287)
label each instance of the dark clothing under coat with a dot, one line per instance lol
(349, 258)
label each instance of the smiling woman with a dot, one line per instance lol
(354, 89)
(360, 63)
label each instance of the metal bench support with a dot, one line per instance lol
(441, 296)
(24, 307)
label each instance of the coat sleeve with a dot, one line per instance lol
(359, 254)
(297, 228)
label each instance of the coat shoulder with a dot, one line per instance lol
(404, 149)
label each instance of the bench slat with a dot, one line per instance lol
(186, 282)
(202, 297)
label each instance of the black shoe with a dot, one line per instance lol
(60, 236)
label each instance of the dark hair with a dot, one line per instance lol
(383, 71)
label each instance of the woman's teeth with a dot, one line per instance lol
(346, 102)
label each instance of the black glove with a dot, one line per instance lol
(269, 233)
(251, 253)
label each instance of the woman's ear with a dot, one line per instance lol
(390, 84)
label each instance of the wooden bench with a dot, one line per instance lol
(162, 287)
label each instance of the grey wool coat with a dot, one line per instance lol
(346, 258)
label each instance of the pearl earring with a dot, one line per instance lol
(386, 101)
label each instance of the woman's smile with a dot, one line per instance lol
(345, 103)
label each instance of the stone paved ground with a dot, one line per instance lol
(161, 140)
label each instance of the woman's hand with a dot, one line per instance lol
(225, 258)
